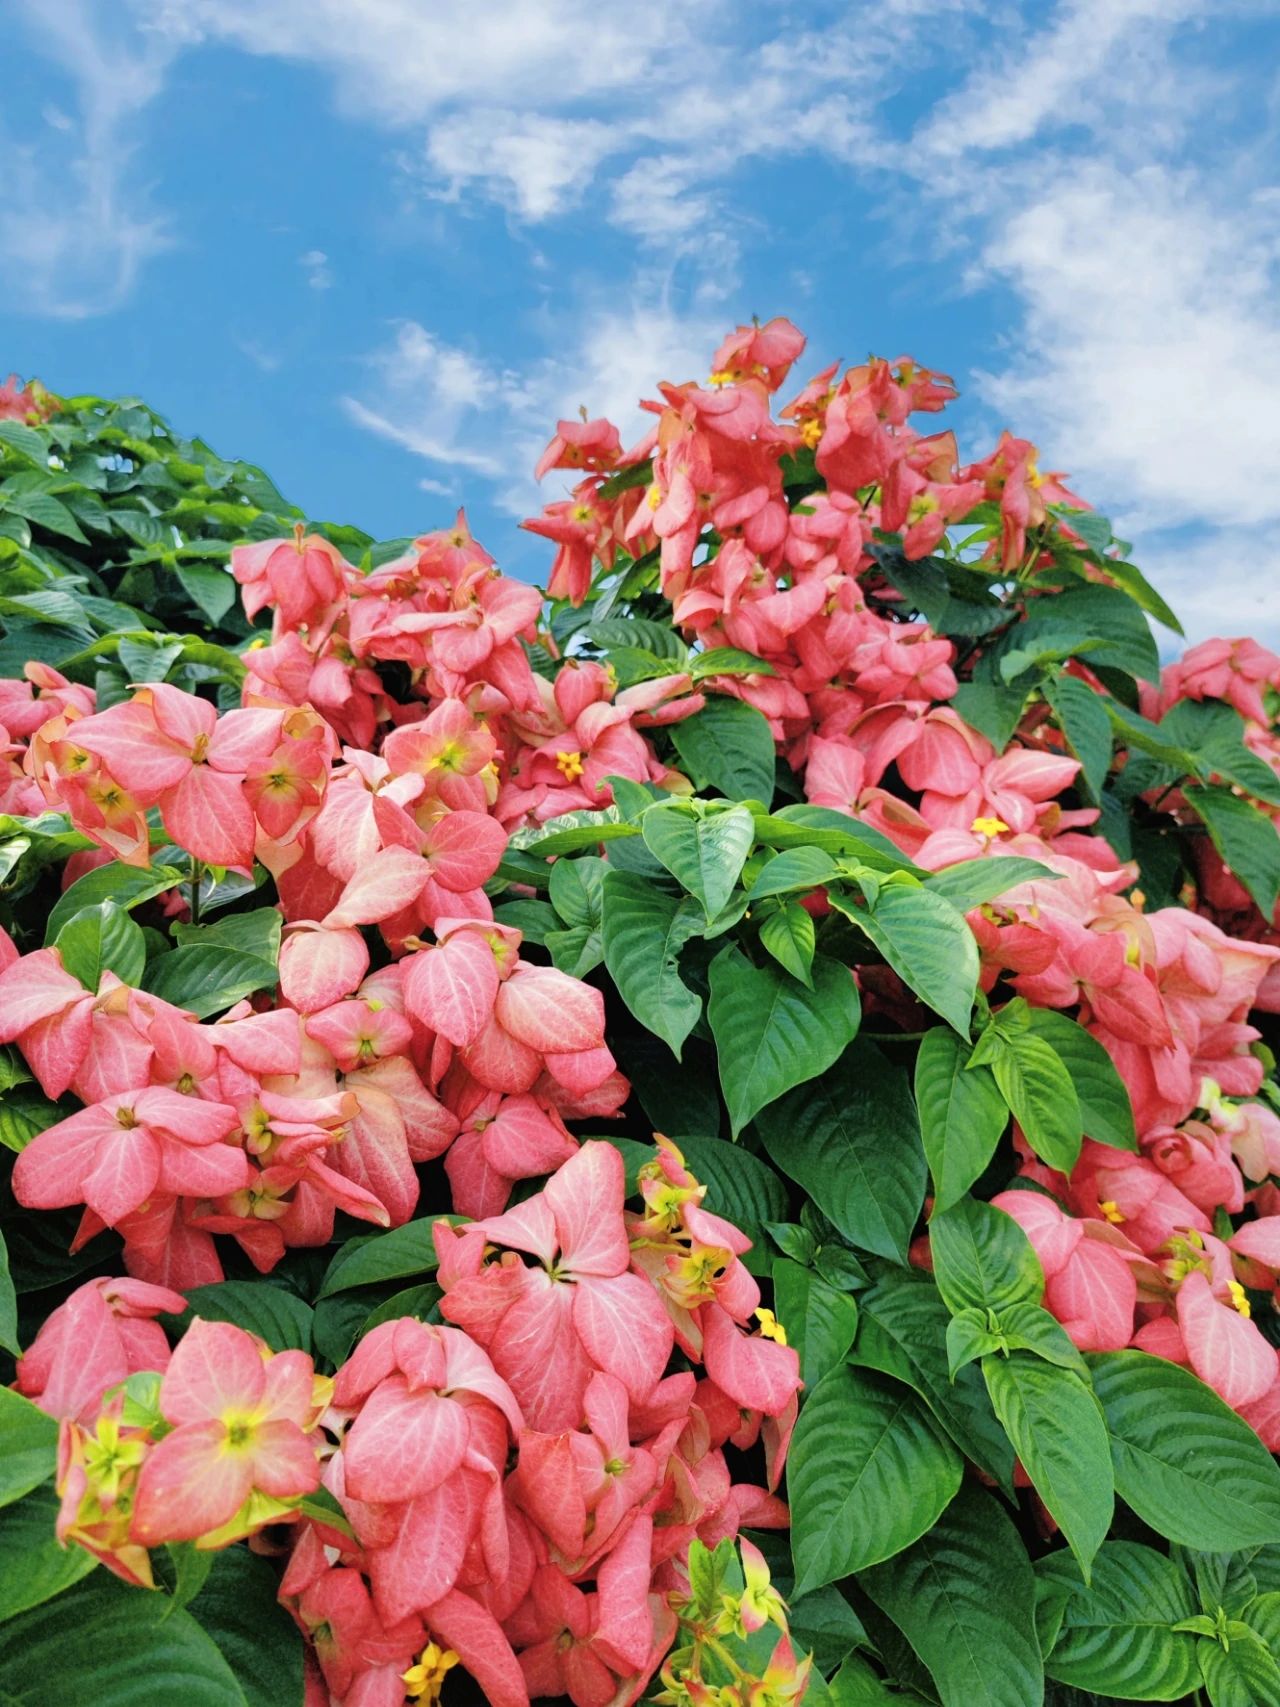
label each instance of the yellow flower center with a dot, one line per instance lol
(811, 432)
(570, 765)
(1239, 1299)
(1111, 1209)
(988, 826)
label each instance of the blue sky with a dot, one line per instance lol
(378, 246)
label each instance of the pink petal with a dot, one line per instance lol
(1260, 1241)
(538, 1353)
(208, 815)
(551, 1012)
(501, 1062)
(452, 989)
(625, 1329)
(190, 1484)
(1226, 1351)
(429, 1541)
(320, 967)
(758, 1374)
(49, 1172)
(586, 1196)
(464, 849)
(125, 1173)
(285, 1465)
(215, 1368)
(403, 1444)
(383, 885)
(475, 1636)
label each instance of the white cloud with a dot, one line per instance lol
(75, 230)
(460, 413)
(315, 263)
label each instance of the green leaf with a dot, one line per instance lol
(703, 850)
(1215, 732)
(660, 638)
(795, 869)
(573, 831)
(212, 590)
(386, 1256)
(26, 441)
(8, 1304)
(1246, 838)
(1082, 717)
(1037, 1087)
(819, 1321)
(148, 660)
(28, 1446)
(576, 951)
(992, 708)
(24, 1112)
(577, 889)
(1131, 579)
(727, 746)
(902, 1329)
(964, 1597)
(962, 1114)
(851, 1141)
(727, 661)
(740, 1187)
(789, 936)
(239, 1609)
(207, 979)
(277, 1316)
(982, 1260)
(1185, 1463)
(256, 933)
(34, 1566)
(972, 881)
(45, 511)
(869, 1471)
(126, 885)
(99, 939)
(1106, 1109)
(927, 943)
(803, 826)
(1057, 1430)
(116, 1647)
(1116, 1636)
(772, 1033)
(1242, 1670)
(644, 930)
(415, 1301)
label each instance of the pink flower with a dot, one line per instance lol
(102, 1334)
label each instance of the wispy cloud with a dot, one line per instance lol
(76, 228)
(315, 263)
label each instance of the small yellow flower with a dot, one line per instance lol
(1111, 1209)
(988, 826)
(1239, 1299)
(770, 1327)
(570, 766)
(424, 1681)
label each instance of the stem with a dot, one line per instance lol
(197, 873)
(894, 1036)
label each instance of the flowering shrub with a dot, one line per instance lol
(707, 1138)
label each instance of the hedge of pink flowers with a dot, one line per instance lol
(516, 1487)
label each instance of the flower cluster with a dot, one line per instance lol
(518, 1489)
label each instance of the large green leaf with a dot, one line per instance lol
(256, 933)
(727, 746)
(126, 885)
(100, 939)
(114, 1646)
(1116, 1637)
(962, 1114)
(1214, 732)
(982, 1259)
(902, 1331)
(964, 1597)
(277, 1316)
(207, 979)
(1244, 1669)
(869, 1471)
(1053, 1420)
(1106, 1109)
(792, 870)
(972, 881)
(820, 1321)
(790, 937)
(1186, 1464)
(705, 850)
(772, 1033)
(403, 1251)
(238, 1608)
(1083, 719)
(850, 1139)
(1037, 1086)
(28, 1446)
(927, 943)
(34, 1566)
(644, 930)
(1245, 837)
